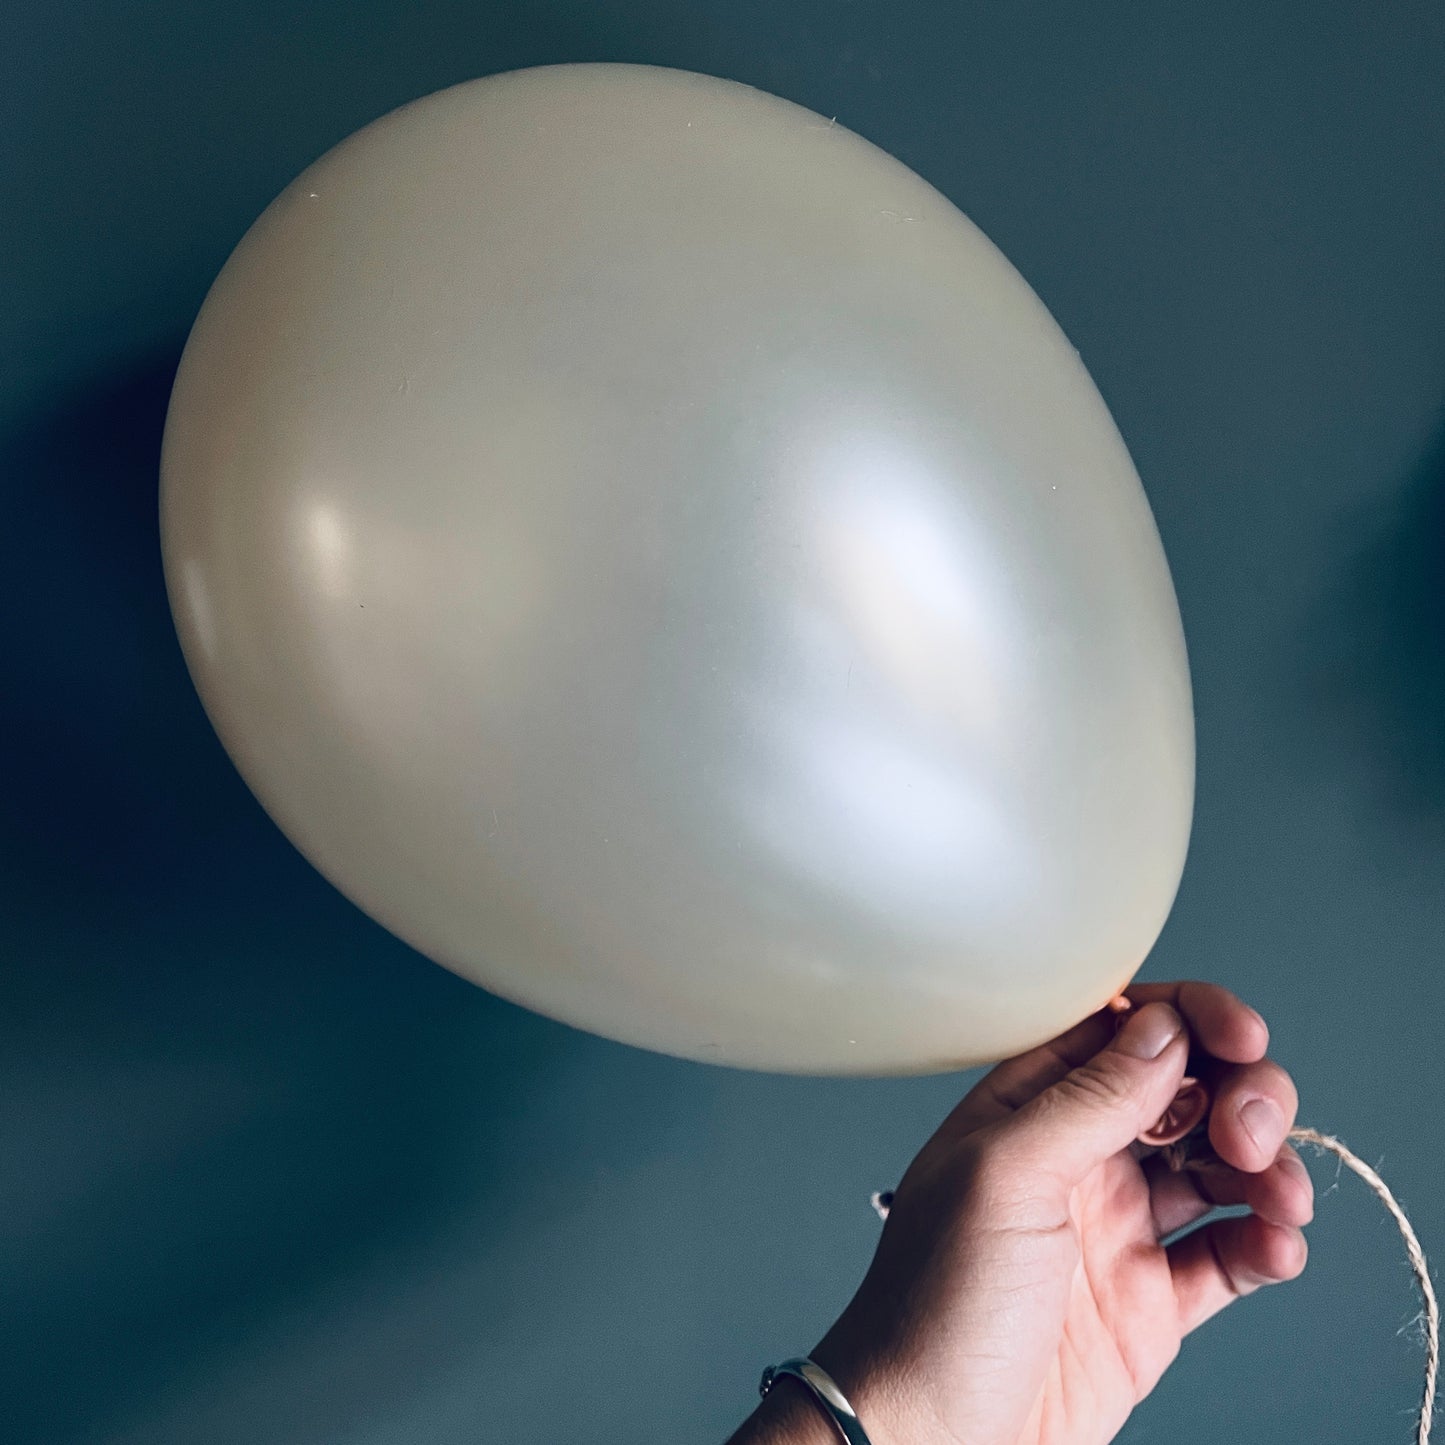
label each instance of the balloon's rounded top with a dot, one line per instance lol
(654, 554)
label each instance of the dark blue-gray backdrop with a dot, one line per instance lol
(265, 1175)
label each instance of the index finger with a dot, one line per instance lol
(1220, 1023)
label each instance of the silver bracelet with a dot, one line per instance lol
(827, 1394)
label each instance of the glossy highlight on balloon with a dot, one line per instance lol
(653, 553)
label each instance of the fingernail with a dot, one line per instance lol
(1149, 1031)
(1264, 1123)
(1293, 1164)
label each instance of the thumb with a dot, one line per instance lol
(1100, 1107)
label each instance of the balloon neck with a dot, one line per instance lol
(1188, 1112)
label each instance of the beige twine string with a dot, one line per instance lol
(1329, 1144)
(1193, 1153)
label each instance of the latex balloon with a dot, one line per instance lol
(649, 550)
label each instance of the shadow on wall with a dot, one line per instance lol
(1380, 644)
(220, 1085)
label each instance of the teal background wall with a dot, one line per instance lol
(265, 1175)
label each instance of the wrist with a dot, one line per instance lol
(787, 1415)
(888, 1406)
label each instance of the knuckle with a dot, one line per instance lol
(1092, 1084)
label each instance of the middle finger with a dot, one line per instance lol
(1252, 1110)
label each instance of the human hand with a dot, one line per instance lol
(1020, 1294)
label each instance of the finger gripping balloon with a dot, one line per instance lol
(650, 551)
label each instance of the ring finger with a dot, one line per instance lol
(1282, 1193)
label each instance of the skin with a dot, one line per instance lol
(1020, 1293)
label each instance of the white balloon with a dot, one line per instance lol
(648, 549)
